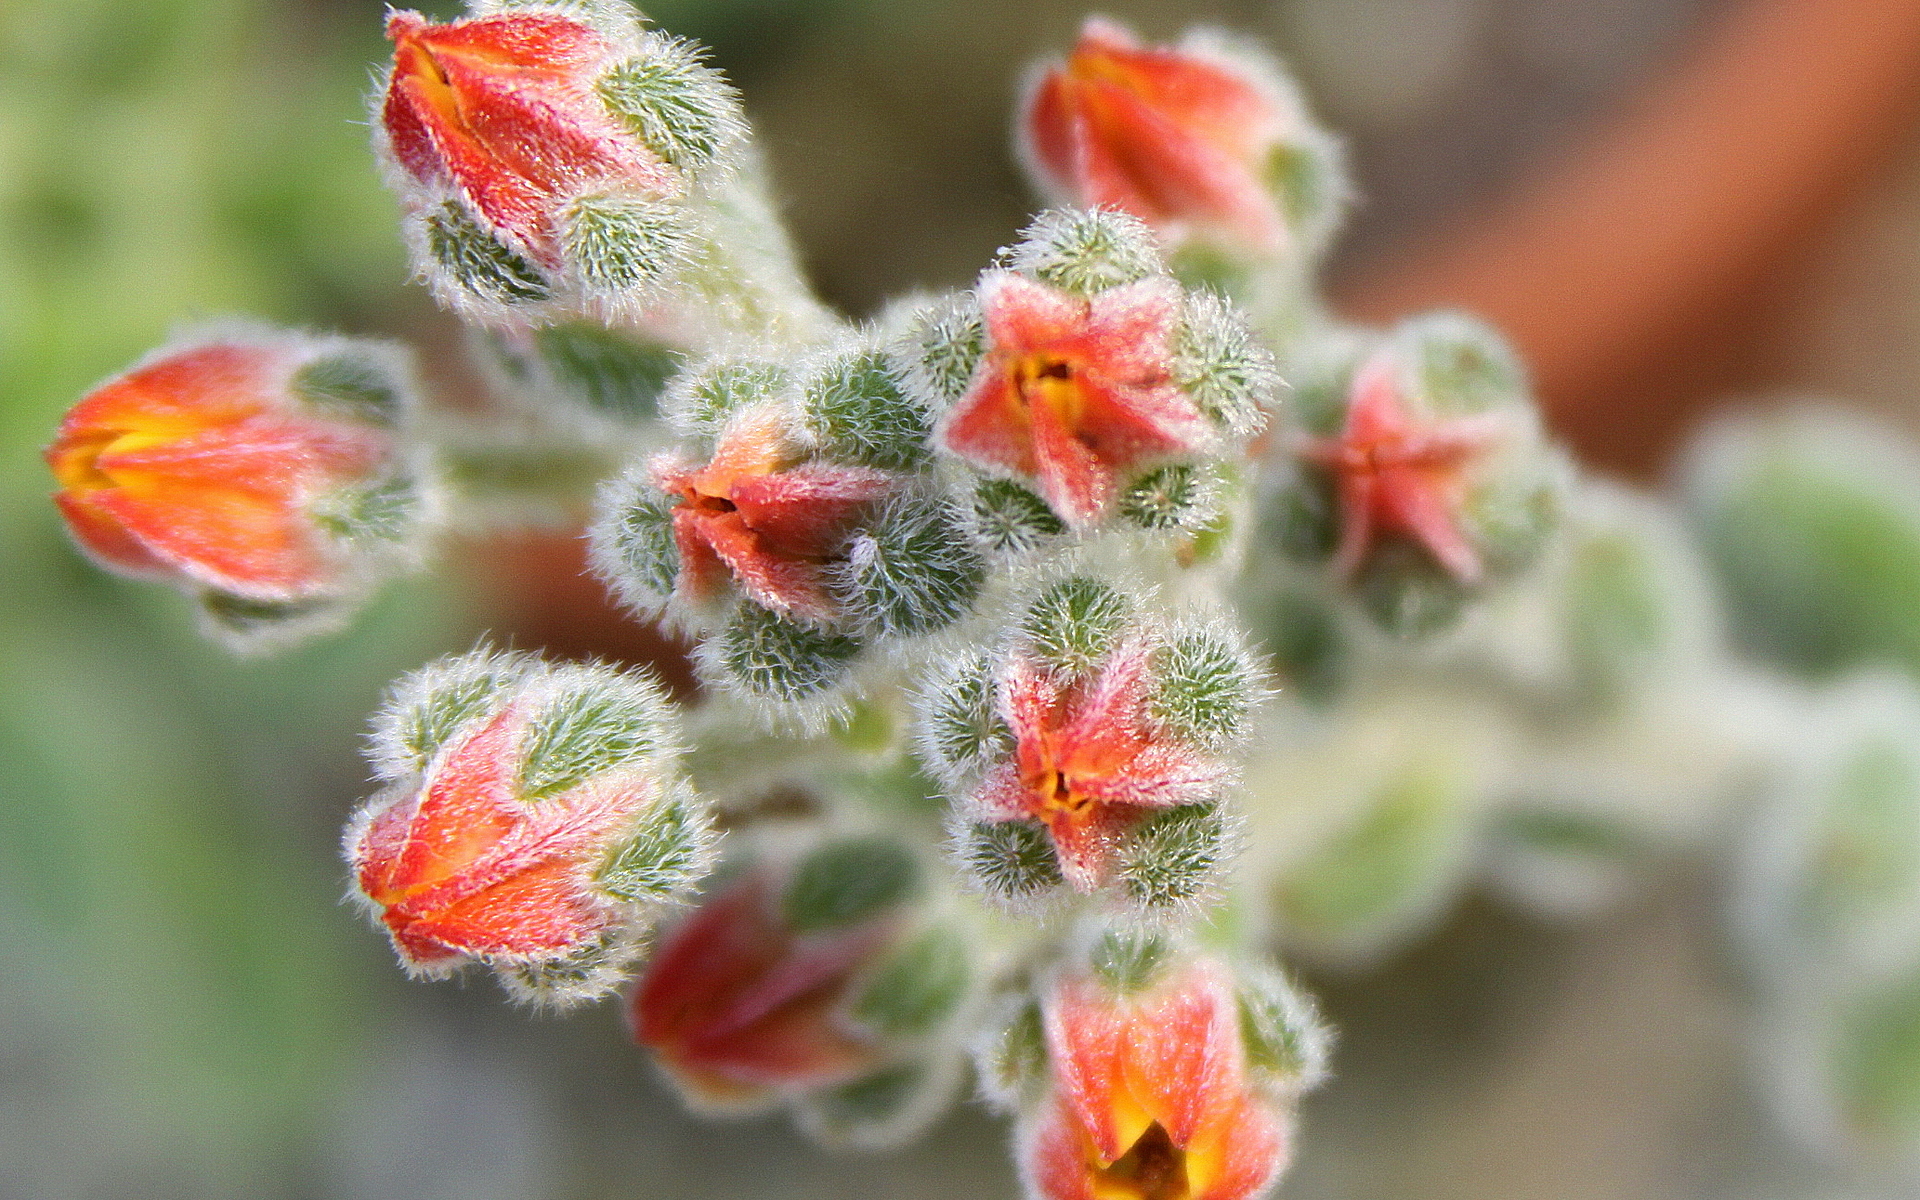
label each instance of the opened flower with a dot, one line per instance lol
(247, 465)
(1176, 136)
(1076, 392)
(1150, 1097)
(1088, 762)
(1399, 474)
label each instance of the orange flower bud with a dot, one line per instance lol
(252, 466)
(1187, 136)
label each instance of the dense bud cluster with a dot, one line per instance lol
(1064, 645)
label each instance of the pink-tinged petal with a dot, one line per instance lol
(1024, 314)
(1183, 1060)
(808, 510)
(788, 585)
(108, 541)
(1397, 474)
(990, 425)
(1083, 842)
(1053, 131)
(535, 912)
(1073, 477)
(703, 573)
(1087, 1034)
(1426, 510)
(504, 108)
(1075, 391)
(1002, 796)
(1055, 1157)
(1170, 135)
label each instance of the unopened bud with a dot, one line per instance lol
(268, 473)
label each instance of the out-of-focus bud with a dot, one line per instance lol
(824, 984)
(1205, 138)
(578, 374)
(1094, 379)
(1811, 520)
(1421, 474)
(1101, 736)
(547, 156)
(267, 472)
(1164, 1079)
(1828, 920)
(535, 821)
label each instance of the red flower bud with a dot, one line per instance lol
(1150, 1097)
(229, 465)
(1175, 136)
(756, 514)
(1397, 473)
(1088, 761)
(1075, 391)
(502, 110)
(740, 1006)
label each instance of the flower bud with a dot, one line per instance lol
(1161, 1079)
(1100, 734)
(1811, 523)
(1205, 139)
(266, 472)
(1420, 474)
(821, 984)
(1096, 372)
(547, 155)
(534, 820)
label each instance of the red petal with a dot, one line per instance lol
(467, 807)
(990, 425)
(808, 511)
(774, 581)
(1055, 132)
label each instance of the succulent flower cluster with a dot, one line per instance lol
(1066, 645)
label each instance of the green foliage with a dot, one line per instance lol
(1012, 519)
(429, 707)
(614, 242)
(1813, 527)
(593, 721)
(667, 854)
(912, 570)
(1010, 860)
(1282, 1033)
(961, 728)
(610, 372)
(1085, 251)
(1013, 1058)
(916, 989)
(357, 386)
(474, 260)
(682, 109)
(780, 659)
(1176, 496)
(1073, 624)
(1230, 376)
(1173, 857)
(701, 400)
(859, 413)
(845, 882)
(942, 350)
(1461, 366)
(1407, 592)
(1129, 960)
(1203, 688)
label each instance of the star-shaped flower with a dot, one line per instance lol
(1087, 762)
(1397, 473)
(1074, 391)
(759, 514)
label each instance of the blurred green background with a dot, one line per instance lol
(187, 1009)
